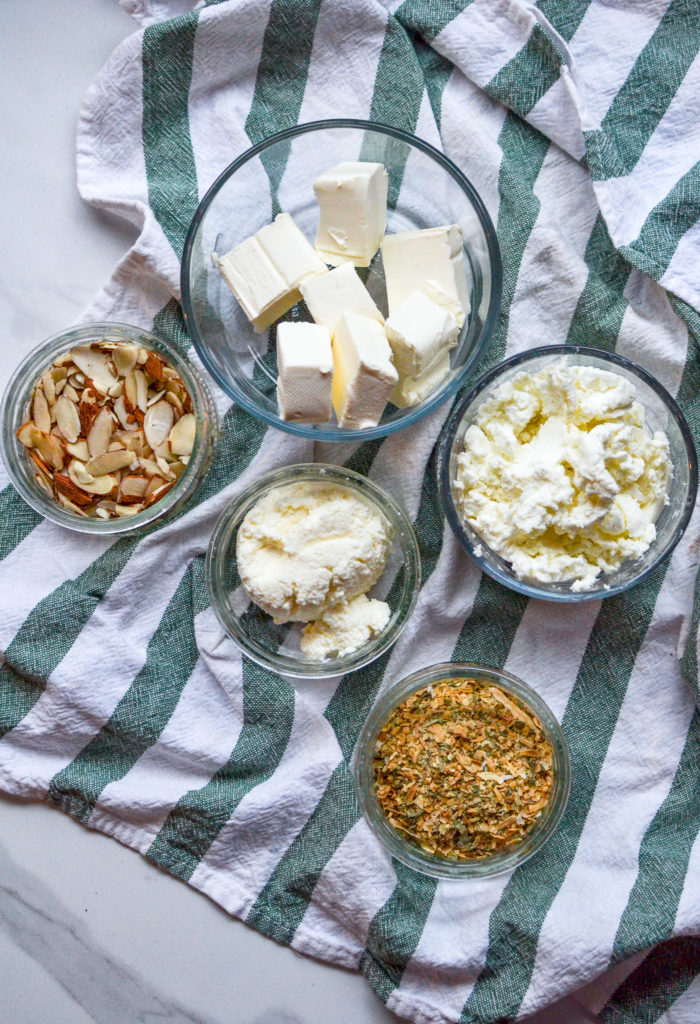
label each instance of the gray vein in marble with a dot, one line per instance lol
(59, 941)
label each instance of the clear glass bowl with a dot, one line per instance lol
(410, 853)
(276, 647)
(278, 175)
(14, 411)
(662, 413)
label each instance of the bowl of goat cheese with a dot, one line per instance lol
(568, 473)
(313, 570)
(341, 279)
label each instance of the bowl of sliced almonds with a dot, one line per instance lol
(107, 429)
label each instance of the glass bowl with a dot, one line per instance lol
(410, 853)
(276, 647)
(14, 411)
(425, 190)
(662, 413)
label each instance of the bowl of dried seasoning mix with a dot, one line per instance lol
(462, 771)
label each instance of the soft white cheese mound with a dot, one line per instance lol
(304, 548)
(560, 476)
(345, 628)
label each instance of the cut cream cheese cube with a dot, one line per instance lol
(352, 198)
(412, 258)
(418, 332)
(264, 271)
(364, 374)
(337, 292)
(305, 366)
(412, 390)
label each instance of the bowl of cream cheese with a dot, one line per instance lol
(313, 570)
(568, 473)
(340, 279)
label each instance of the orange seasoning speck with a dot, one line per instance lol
(462, 769)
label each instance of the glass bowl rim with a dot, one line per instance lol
(47, 508)
(447, 443)
(412, 855)
(406, 538)
(429, 404)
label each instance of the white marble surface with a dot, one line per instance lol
(89, 932)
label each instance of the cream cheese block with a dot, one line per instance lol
(305, 367)
(265, 271)
(435, 255)
(364, 374)
(352, 200)
(337, 292)
(421, 334)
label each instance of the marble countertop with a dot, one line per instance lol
(89, 931)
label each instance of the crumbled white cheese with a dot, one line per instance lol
(306, 547)
(560, 476)
(344, 628)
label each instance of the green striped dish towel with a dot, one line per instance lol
(122, 702)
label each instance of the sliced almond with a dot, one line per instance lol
(67, 503)
(109, 462)
(132, 486)
(25, 434)
(122, 414)
(157, 397)
(94, 365)
(154, 484)
(158, 493)
(67, 418)
(128, 510)
(141, 390)
(175, 402)
(100, 433)
(181, 437)
(130, 392)
(116, 390)
(39, 463)
(79, 450)
(49, 387)
(143, 356)
(76, 494)
(70, 392)
(164, 467)
(49, 447)
(124, 358)
(158, 423)
(40, 411)
(153, 366)
(59, 386)
(149, 467)
(93, 485)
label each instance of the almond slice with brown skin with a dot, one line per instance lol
(153, 366)
(25, 434)
(109, 462)
(181, 437)
(158, 423)
(76, 494)
(40, 410)
(49, 447)
(133, 487)
(100, 433)
(67, 418)
(95, 365)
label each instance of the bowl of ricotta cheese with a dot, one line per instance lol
(568, 473)
(313, 570)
